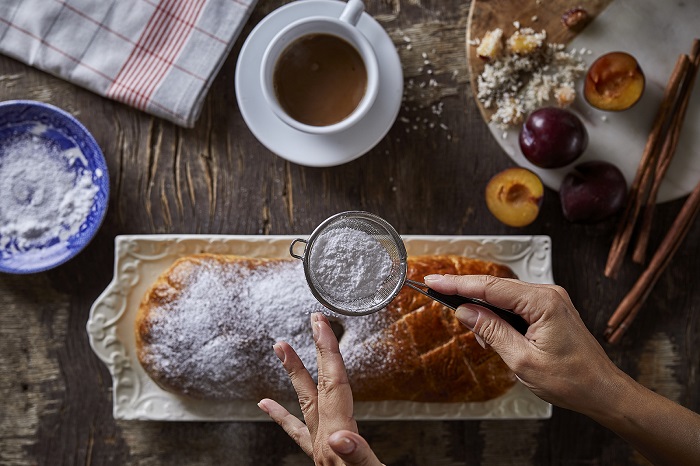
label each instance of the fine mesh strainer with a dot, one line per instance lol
(385, 235)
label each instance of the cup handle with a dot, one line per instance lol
(352, 11)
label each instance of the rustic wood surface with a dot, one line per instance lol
(55, 395)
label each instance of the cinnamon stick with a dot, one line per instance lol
(640, 186)
(631, 304)
(666, 155)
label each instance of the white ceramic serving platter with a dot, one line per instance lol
(655, 33)
(140, 259)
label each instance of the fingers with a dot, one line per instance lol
(335, 404)
(489, 329)
(352, 449)
(303, 384)
(522, 298)
(296, 429)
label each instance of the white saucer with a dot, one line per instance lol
(303, 148)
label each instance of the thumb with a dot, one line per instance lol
(493, 331)
(352, 449)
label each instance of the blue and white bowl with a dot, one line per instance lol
(24, 119)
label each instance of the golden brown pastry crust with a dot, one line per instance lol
(415, 349)
(435, 358)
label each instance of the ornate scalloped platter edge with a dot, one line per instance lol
(139, 259)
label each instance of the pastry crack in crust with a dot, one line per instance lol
(206, 327)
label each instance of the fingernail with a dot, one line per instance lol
(316, 329)
(467, 316)
(262, 407)
(342, 445)
(315, 317)
(431, 278)
(278, 351)
(480, 341)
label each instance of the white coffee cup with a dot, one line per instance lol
(343, 27)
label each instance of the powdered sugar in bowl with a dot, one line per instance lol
(54, 187)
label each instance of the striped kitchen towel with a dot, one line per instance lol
(159, 56)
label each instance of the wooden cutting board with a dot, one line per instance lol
(485, 15)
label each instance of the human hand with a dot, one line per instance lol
(558, 358)
(330, 435)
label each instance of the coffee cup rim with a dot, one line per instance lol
(357, 40)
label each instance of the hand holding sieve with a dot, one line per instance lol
(385, 235)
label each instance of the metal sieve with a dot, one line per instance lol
(384, 234)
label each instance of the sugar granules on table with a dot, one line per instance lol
(42, 194)
(349, 264)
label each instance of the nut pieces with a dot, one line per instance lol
(575, 18)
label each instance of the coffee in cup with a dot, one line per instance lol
(320, 74)
(320, 79)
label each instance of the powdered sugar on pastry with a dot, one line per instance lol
(215, 339)
(206, 329)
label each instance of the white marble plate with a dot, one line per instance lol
(140, 259)
(655, 33)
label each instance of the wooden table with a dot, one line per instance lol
(55, 395)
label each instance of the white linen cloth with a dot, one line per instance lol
(159, 56)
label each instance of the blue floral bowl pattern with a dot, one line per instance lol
(23, 117)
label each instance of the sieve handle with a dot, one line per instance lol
(291, 248)
(454, 301)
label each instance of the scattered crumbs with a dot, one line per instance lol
(432, 83)
(444, 126)
(424, 55)
(391, 179)
(421, 85)
(430, 71)
(426, 62)
(534, 19)
(505, 135)
(415, 127)
(516, 83)
(406, 39)
(409, 47)
(455, 73)
(393, 188)
(404, 119)
(604, 117)
(420, 69)
(474, 42)
(589, 52)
